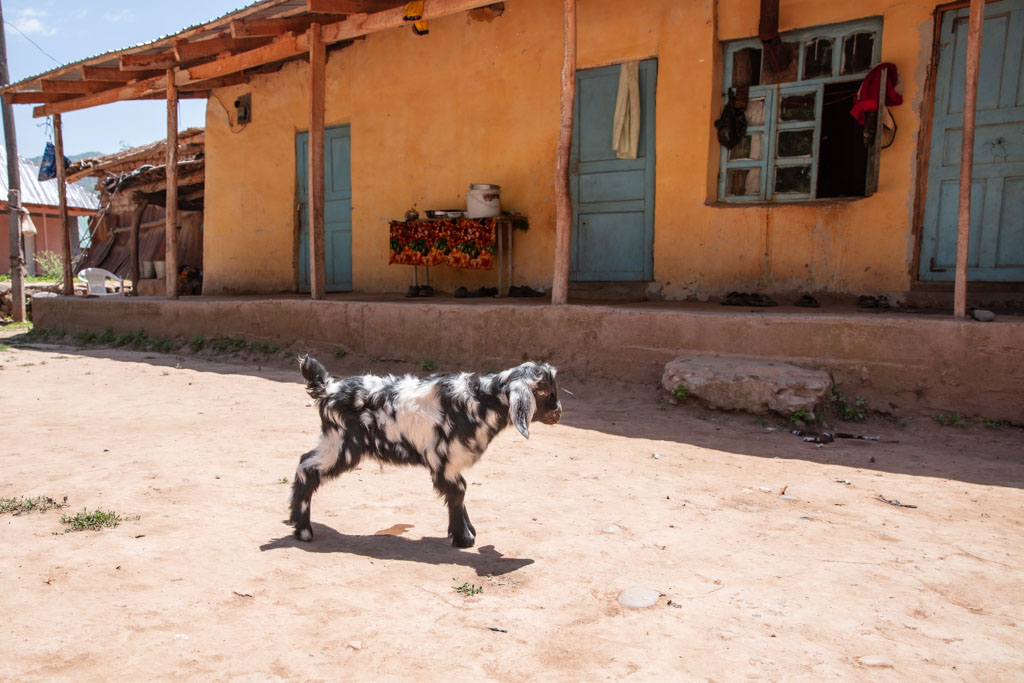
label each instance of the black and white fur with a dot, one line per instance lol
(443, 422)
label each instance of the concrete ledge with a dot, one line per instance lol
(899, 362)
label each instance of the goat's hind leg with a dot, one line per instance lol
(459, 527)
(319, 464)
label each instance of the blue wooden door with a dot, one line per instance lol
(613, 199)
(337, 209)
(996, 248)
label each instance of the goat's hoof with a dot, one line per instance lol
(464, 540)
(304, 534)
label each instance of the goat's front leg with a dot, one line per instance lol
(459, 527)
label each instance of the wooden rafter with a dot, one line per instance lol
(112, 74)
(186, 51)
(285, 47)
(36, 97)
(350, 6)
(128, 92)
(148, 61)
(249, 28)
(74, 87)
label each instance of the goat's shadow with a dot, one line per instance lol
(485, 560)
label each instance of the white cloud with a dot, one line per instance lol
(33, 22)
(120, 15)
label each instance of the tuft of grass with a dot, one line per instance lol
(141, 340)
(228, 344)
(681, 392)
(197, 343)
(94, 521)
(949, 419)
(123, 339)
(22, 505)
(801, 418)
(466, 589)
(996, 424)
(85, 338)
(108, 337)
(163, 343)
(265, 348)
(428, 365)
(5, 347)
(340, 352)
(857, 411)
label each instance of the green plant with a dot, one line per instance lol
(50, 265)
(681, 392)
(5, 347)
(858, 411)
(339, 352)
(282, 480)
(85, 338)
(108, 336)
(949, 419)
(163, 344)
(761, 422)
(428, 365)
(996, 424)
(197, 343)
(467, 589)
(141, 340)
(228, 344)
(124, 338)
(264, 347)
(95, 520)
(801, 418)
(21, 505)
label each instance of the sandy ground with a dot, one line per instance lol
(207, 583)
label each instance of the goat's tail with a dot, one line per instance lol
(316, 376)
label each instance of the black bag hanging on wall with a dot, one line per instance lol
(732, 125)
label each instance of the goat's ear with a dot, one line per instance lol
(521, 406)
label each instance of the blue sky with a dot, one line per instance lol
(71, 30)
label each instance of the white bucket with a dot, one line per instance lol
(148, 271)
(483, 201)
(161, 269)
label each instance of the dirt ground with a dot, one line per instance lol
(202, 579)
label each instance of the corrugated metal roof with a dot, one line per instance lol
(45, 193)
(257, 10)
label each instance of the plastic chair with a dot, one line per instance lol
(96, 280)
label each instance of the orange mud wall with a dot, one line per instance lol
(477, 101)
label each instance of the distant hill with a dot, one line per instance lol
(74, 157)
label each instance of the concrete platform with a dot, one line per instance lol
(900, 362)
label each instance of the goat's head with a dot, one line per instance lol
(532, 396)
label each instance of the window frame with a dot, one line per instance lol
(773, 95)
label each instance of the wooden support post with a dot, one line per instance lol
(317, 85)
(62, 204)
(975, 23)
(563, 198)
(171, 209)
(140, 204)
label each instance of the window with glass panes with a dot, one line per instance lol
(801, 142)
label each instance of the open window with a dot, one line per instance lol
(801, 142)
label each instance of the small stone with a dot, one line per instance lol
(609, 529)
(355, 645)
(764, 489)
(983, 316)
(656, 456)
(876, 661)
(748, 490)
(806, 517)
(784, 497)
(638, 597)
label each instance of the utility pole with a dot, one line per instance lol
(14, 189)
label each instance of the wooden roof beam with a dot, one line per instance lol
(148, 61)
(112, 74)
(133, 91)
(74, 87)
(287, 46)
(35, 97)
(350, 6)
(186, 51)
(248, 28)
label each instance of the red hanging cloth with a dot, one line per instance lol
(867, 94)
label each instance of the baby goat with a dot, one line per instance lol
(443, 423)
